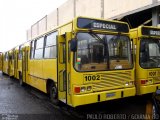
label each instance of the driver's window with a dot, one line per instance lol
(153, 50)
(149, 53)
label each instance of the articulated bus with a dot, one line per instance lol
(84, 61)
(17, 61)
(12, 62)
(146, 40)
(8, 63)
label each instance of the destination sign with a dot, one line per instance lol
(102, 25)
(150, 31)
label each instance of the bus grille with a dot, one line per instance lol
(156, 79)
(112, 80)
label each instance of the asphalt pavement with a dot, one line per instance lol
(27, 103)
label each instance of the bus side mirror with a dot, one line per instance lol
(73, 45)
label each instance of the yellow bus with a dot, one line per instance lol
(17, 59)
(5, 63)
(146, 40)
(8, 63)
(82, 62)
(85, 61)
(11, 63)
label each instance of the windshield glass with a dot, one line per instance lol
(102, 52)
(150, 53)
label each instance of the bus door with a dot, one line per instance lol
(24, 63)
(17, 74)
(9, 63)
(15, 64)
(63, 67)
(62, 79)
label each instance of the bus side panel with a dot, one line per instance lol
(50, 69)
(11, 63)
(5, 67)
(19, 66)
(39, 82)
(16, 65)
(35, 77)
(31, 72)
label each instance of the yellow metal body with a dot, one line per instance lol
(39, 73)
(8, 63)
(92, 97)
(19, 68)
(150, 74)
(5, 67)
(11, 63)
(16, 63)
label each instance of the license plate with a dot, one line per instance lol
(110, 94)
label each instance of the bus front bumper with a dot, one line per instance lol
(89, 98)
(148, 89)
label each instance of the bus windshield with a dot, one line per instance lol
(102, 52)
(150, 53)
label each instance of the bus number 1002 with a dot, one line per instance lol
(92, 77)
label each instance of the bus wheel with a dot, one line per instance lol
(20, 80)
(53, 94)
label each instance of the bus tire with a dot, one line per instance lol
(21, 80)
(53, 94)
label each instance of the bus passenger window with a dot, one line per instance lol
(32, 50)
(50, 46)
(20, 53)
(6, 57)
(39, 48)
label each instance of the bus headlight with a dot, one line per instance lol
(89, 88)
(149, 81)
(143, 82)
(127, 83)
(131, 83)
(83, 89)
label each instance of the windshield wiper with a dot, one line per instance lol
(104, 42)
(95, 35)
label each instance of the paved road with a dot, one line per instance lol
(26, 103)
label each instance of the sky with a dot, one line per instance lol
(16, 16)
